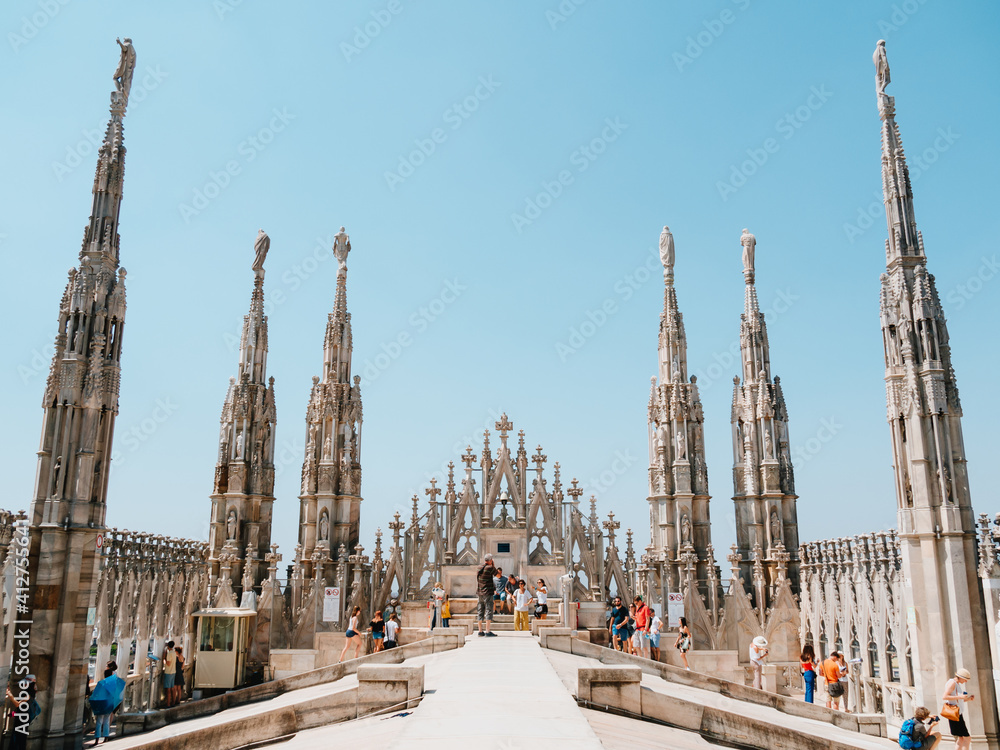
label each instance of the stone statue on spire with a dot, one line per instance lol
(881, 67)
(341, 247)
(260, 246)
(667, 252)
(749, 243)
(126, 66)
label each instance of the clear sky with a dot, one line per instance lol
(430, 130)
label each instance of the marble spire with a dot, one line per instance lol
(678, 475)
(763, 479)
(330, 499)
(243, 491)
(937, 528)
(74, 458)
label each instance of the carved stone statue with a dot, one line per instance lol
(675, 368)
(775, 528)
(260, 246)
(231, 525)
(327, 448)
(126, 66)
(768, 445)
(749, 243)
(324, 527)
(341, 247)
(881, 67)
(667, 252)
(681, 446)
(685, 529)
(239, 445)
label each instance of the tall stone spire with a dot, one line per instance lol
(937, 527)
(330, 510)
(678, 475)
(81, 402)
(243, 492)
(763, 480)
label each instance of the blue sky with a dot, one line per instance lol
(503, 171)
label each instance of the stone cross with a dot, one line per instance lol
(520, 441)
(397, 527)
(504, 426)
(468, 457)
(781, 556)
(539, 459)
(575, 492)
(611, 525)
(734, 562)
(433, 491)
(273, 558)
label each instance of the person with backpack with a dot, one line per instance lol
(919, 733)
(103, 701)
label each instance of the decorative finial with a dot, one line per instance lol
(667, 253)
(260, 247)
(341, 247)
(126, 66)
(749, 243)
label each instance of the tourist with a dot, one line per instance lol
(640, 639)
(445, 611)
(844, 669)
(23, 711)
(377, 626)
(169, 672)
(352, 635)
(807, 663)
(179, 675)
(655, 625)
(391, 631)
(485, 590)
(758, 655)
(434, 605)
(954, 696)
(542, 599)
(511, 589)
(919, 733)
(831, 674)
(499, 588)
(103, 701)
(684, 642)
(616, 623)
(629, 631)
(522, 602)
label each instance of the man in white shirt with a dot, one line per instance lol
(391, 631)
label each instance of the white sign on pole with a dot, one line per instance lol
(675, 610)
(331, 604)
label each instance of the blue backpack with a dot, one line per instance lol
(906, 740)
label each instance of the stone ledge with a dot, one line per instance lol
(617, 687)
(873, 725)
(385, 685)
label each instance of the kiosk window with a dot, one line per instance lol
(503, 548)
(217, 633)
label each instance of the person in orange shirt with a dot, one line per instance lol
(834, 687)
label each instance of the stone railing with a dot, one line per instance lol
(852, 601)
